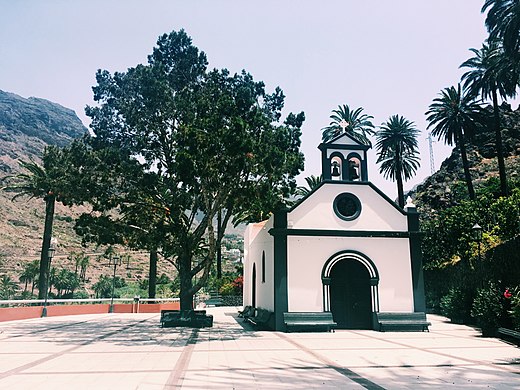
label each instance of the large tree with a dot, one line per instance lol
(352, 122)
(398, 151)
(207, 143)
(454, 117)
(492, 74)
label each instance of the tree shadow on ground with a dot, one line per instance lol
(119, 330)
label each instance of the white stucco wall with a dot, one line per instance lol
(258, 240)
(317, 212)
(308, 255)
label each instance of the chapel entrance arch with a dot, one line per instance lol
(350, 282)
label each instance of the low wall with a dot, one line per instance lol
(157, 307)
(70, 310)
(27, 312)
(20, 313)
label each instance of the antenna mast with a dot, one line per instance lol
(432, 161)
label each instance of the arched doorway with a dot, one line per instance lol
(253, 288)
(350, 300)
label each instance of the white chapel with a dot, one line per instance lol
(345, 248)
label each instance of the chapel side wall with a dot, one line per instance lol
(258, 240)
(308, 255)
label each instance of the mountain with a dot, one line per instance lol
(26, 127)
(447, 186)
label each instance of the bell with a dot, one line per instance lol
(335, 169)
(353, 170)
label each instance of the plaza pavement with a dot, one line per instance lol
(131, 351)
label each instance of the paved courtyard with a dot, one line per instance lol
(131, 351)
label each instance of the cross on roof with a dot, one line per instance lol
(343, 124)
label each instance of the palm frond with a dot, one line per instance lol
(359, 125)
(398, 148)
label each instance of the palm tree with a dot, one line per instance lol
(312, 183)
(398, 151)
(357, 125)
(8, 287)
(37, 184)
(454, 116)
(29, 274)
(492, 74)
(503, 24)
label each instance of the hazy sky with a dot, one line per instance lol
(389, 57)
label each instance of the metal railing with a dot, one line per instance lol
(35, 302)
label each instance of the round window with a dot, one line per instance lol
(347, 206)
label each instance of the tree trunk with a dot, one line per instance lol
(499, 146)
(465, 164)
(186, 294)
(219, 245)
(152, 274)
(46, 243)
(399, 178)
(400, 191)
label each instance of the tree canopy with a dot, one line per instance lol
(491, 73)
(203, 141)
(398, 151)
(454, 116)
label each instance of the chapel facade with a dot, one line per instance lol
(345, 248)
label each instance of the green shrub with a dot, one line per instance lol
(456, 305)
(487, 309)
(515, 308)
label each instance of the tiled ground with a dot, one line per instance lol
(131, 351)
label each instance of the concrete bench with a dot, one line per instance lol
(402, 321)
(261, 317)
(306, 320)
(215, 301)
(248, 311)
(509, 334)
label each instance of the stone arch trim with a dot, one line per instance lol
(351, 255)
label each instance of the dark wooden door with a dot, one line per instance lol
(350, 299)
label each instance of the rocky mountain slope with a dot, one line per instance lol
(26, 127)
(447, 186)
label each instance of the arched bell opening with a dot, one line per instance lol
(355, 168)
(336, 168)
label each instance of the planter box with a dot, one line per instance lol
(186, 318)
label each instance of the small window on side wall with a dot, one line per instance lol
(263, 266)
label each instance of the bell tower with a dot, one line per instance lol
(344, 159)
